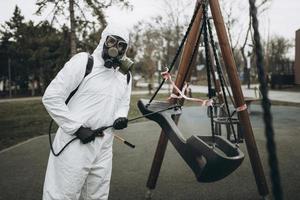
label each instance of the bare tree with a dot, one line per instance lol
(156, 41)
(263, 5)
(95, 7)
(243, 37)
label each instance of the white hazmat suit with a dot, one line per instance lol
(103, 96)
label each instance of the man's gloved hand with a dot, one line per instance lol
(120, 123)
(85, 135)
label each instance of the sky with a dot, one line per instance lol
(282, 18)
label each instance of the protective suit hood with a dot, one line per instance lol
(109, 30)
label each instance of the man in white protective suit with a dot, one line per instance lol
(83, 169)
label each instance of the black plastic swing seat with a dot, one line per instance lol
(219, 157)
(210, 158)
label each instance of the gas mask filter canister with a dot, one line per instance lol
(114, 54)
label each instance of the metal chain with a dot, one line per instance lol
(269, 131)
(222, 79)
(208, 67)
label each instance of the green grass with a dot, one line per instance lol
(21, 120)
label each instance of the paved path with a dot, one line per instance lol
(277, 95)
(23, 167)
(284, 96)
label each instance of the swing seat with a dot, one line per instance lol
(219, 157)
(211, 159)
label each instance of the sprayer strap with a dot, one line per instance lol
(88, 70)
(128, 77)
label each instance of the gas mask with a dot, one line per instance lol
(113, 54)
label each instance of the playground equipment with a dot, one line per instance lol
(195, 147)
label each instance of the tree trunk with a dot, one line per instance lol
(72, 28)
(42, 80)
(246, 70)
(102, 19)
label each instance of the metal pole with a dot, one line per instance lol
(9, 77)
(163, 140)
(239, 98)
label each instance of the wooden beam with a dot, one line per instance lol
(238, 98)
(182, 70)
